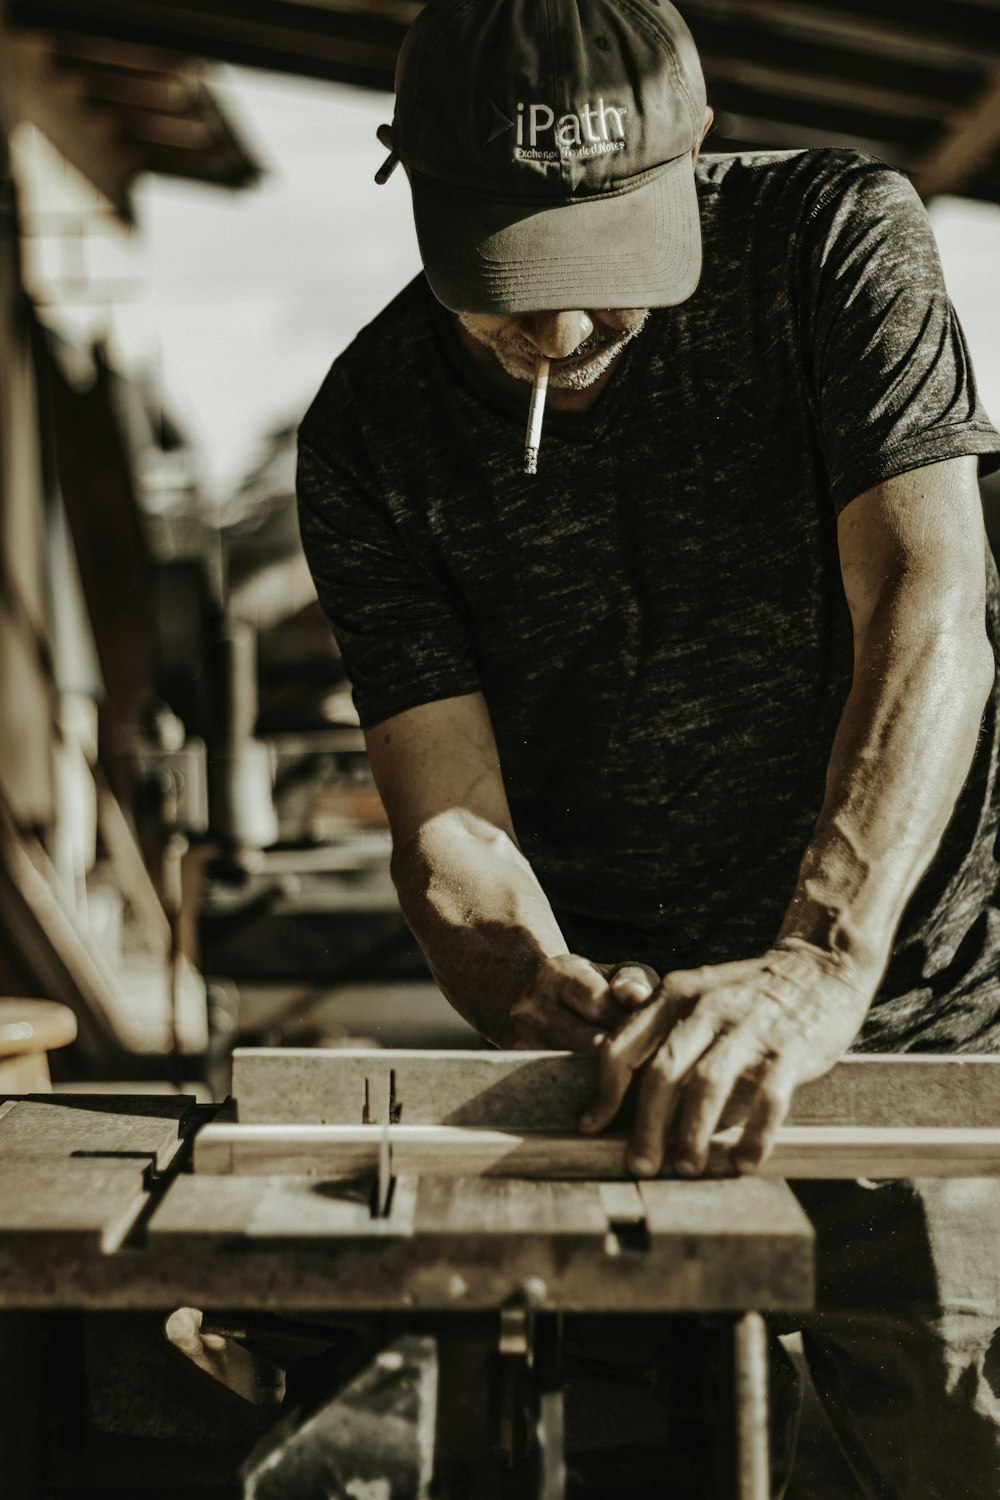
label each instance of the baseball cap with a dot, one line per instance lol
(549, 149)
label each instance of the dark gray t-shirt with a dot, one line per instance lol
(657, 619)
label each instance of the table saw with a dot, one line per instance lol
(448, 1198)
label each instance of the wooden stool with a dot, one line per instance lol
(29, 1029)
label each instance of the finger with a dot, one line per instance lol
(690, 983)
(643, 1032)
(626, 1051)
(712, 977)
(633, 983)
(575, 982)
(613, 1078)
(552, 1026)
(703, 1095)
(657, 1099)
(768, 1113)
(658, 1091)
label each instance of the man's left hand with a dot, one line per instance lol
(778, 1020)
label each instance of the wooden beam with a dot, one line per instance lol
(315, 40)
(968, 21)
(799, 47)
(865, 27)
(53, 946)
(96, 478)
(968, 144)
(873, 98)
(801, 1151)
(751, 133)
(549, 1090)
(831, 119)
(56, 102)
(126, 860)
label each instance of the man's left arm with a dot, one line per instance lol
(912, 555)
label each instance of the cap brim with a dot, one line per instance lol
(640, 248)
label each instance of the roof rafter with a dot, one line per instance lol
(968, 145)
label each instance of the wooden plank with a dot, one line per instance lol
(76, 1201)
(744, 1207)
(464, 1244)
(439, 1150)
(80, 1125)
(903, 1090)
(280, 1208)
(806, 1151)
(549, 1090)
(302, 1085)
(470, 1206)
(622, 1202)
(847, 1151)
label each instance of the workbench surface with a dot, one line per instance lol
(100, 1207)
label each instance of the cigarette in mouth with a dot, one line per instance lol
(536, 412)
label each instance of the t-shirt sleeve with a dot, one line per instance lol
(400, 633)
(892, 379)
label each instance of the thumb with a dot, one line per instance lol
(632, 983)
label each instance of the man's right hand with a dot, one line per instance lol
(574, 1003)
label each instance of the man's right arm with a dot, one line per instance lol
(469, 895)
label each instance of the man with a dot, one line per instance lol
(688, 742)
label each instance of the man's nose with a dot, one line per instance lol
(558, 334)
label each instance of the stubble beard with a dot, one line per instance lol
(519, 358)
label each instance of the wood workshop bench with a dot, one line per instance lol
(451, 1190)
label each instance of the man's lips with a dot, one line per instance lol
(563, 361)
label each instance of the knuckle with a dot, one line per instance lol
(689, 980)
(556, 970)
(710, 1076)
(663, 1065)
(776, 1094)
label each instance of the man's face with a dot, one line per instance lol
(580, 345)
